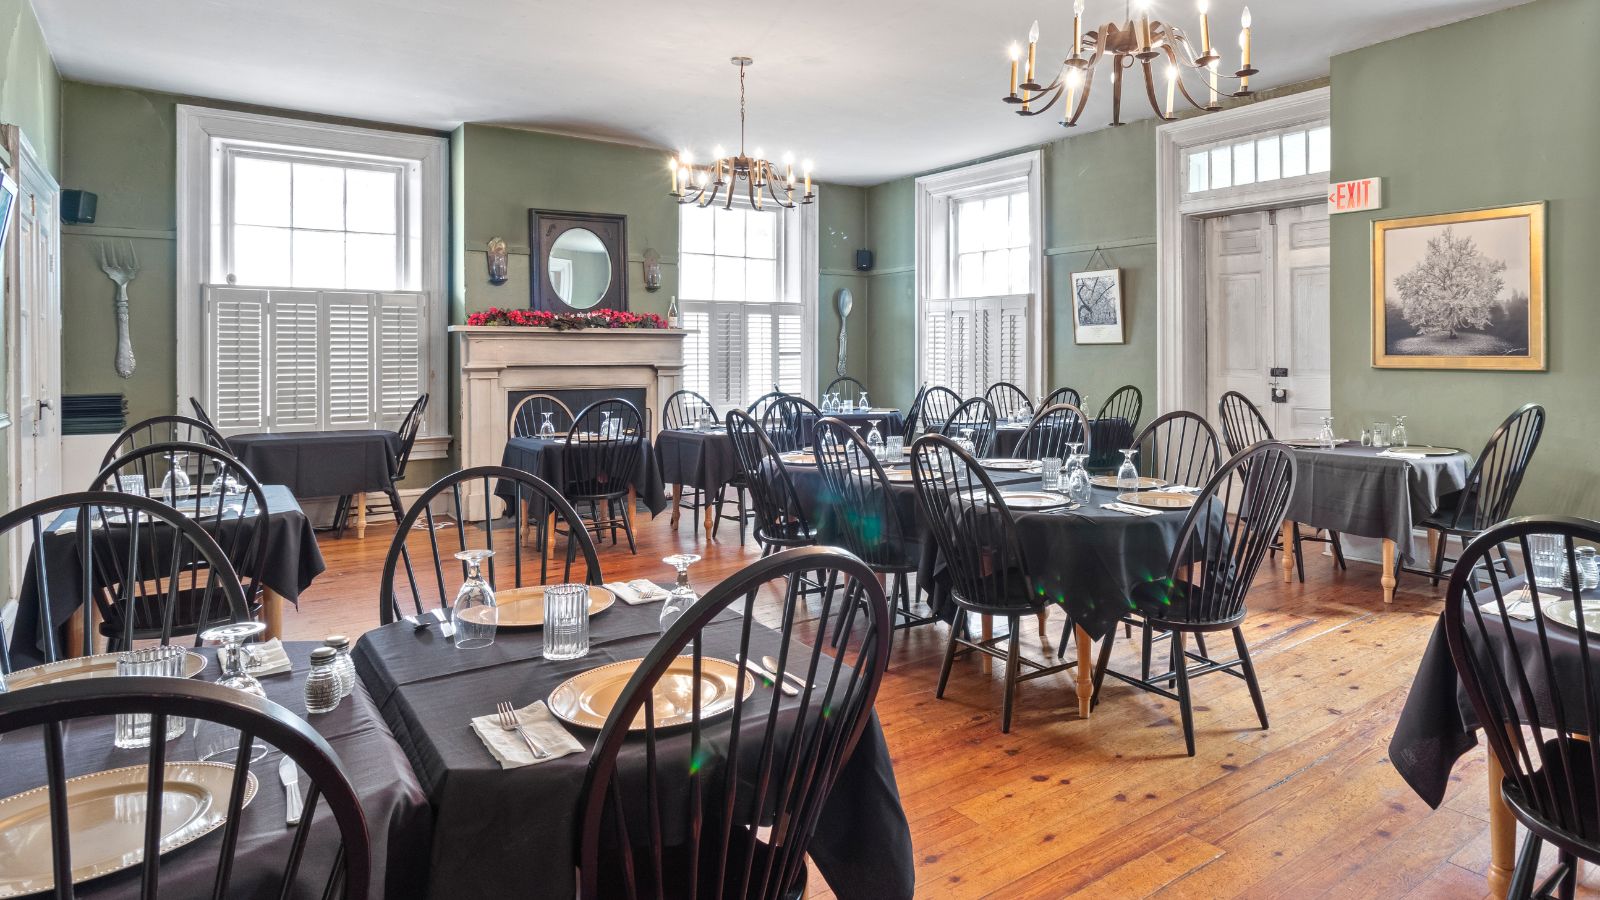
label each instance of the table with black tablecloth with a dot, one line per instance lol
(698, 459)
(292, 561)
(1108, 437)
(890, 422)
(1370, 492)
(324, 463)
(511, 832)
(546, 459)
(399, 820)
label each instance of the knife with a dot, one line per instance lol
(784, 686)
(290, 776)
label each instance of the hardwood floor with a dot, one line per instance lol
(1112, 807)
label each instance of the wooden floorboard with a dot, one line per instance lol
(1112, 807)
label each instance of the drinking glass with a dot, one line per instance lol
(1366, 437)
(682, 596)
(176, 483)
(547, 428)
(133, 729)
(474, 614)
(605, 424)
(1050, 473)
(1325, 435)
(225, 483)
(1127, 473)
(895, 447)
(1397, 434)
(1380, 435)
(875, 437)
(1078, 486)
(1549, 553)
(965, 442)
(214, 740)
(566, 621)
(862, 404)
(130, 484)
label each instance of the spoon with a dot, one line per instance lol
(846, 302)
(772, 664)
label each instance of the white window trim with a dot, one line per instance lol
(1180, 263)
(200, 128)
(935, 243)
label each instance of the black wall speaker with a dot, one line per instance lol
(863, 260)
(77, 207)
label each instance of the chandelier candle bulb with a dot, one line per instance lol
(1144, 25)
(1077, 27)
(1172, 85)
(1033, 44)
(1016, 53)
(1205, 27)
(1244, 38)
(672, 164)
(1212, 77)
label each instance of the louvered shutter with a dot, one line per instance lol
(1009, 350)
(758, 353)
(294, 365)
(696, 352)
(728, 354)
(789, 351)
(235, 328)
(347, 336)
(402, 354)
(936, 342)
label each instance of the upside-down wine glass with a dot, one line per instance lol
(176, 483)
(1127, 473)
(875, 438)
(862, 403)
(1397, 434)
(682, 596)
(475, 614)
(547, 428)
(1325, 435)
(215, 741)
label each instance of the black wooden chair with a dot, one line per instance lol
(984, 565)
(684, 409)
(1180, 448)
(1053, 432)
(1125, 403)
(1243, 425)
(780, 520)
(43, 722)
(1116, 424)
(849, 388)
(935, 407)
(1533, 690)
(789, 422)
(528, 415)
(465, 495)
(909, 423)
(1064, 395)
(862, 515)
(977, 417)
(678, 819)
(600, 467)
(163, 430)
(1209, 575)
(227, 502)
(1491, 487)
(127, 551)
(410, 426)
(761, 404)
(1010, 402)
(200, 413)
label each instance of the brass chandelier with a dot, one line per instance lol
(723, 176)
(1140, 40)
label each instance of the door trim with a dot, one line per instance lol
(1181, 370)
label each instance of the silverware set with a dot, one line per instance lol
(790, 683)
(506, 715)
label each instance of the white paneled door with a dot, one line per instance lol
(1267, 314)
(35, 246)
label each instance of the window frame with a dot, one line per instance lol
(205, 134)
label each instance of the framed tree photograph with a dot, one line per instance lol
(1097, 307)
(1461, 290)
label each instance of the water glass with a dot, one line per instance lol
(894, 447)
(566, 621)
(475, 613)
(682, 596)
(547, 428)
(1325, 436)
(1050, 472)
(1078, 485)
(1380, 435)
(1397, 434)
(874, 438)
(1127, 473)
(862, 404)
(133, 730)
(1549, 554)
(1366, 437)
(176, 483)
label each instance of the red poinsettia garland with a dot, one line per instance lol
(600, 318)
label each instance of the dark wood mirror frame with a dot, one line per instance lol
(544, 226)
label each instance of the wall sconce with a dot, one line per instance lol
(652, 270)
(497, 261)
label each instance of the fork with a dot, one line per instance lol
(121, 272)
(507, 716)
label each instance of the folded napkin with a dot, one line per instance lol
(267, 658)
(637, 591)
(1130, 510)
(1519, 605)
(507, 747)
(1181, 489)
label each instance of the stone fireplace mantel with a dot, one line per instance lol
(496, 361)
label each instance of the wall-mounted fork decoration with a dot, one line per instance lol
(121, 267)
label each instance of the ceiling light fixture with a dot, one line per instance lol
(1139, 40)
(705, 184)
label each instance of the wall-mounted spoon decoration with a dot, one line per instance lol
(121, 269)
(846, 301)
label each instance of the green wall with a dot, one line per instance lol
(1436, 116)
(30, 89)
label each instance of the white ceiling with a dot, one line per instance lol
(870, 89)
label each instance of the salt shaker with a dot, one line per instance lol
(343, 665)
(322, 685)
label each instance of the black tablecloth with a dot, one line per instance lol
(399, 820)
(890, 422)
(1358, 490)
(321, 463)
(546, 459)
(293, 560)
(703, 460)
(510, 833)
(1107, 436)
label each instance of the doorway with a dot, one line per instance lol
(1267, 314)
(35, 326)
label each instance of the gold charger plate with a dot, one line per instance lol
(1158, 499)
(798, 459)
(524, 607)
(1009, 464)
(106, 812)
(1564, 612)
(899, 476)
(586, 699)
(99, 666)
(1034, 499)
(1146, 482)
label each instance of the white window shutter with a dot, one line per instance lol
(696, 351)
(235, 329)
(758, 346)
(348, 336)
(1011, 340)
(294, 364)
(790, 352)
(402, 353)
(728, 355)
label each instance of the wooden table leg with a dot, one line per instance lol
(361, 517)
(272, 614)
(1502, 833)
(1288, 551)
(549, 534)
(73, 639)
(1085, 671)
(710, 513)
(677, 497)
(1387, 578)
(985, 662)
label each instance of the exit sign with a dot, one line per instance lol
(1354, 196)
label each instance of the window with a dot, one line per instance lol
(317, 251)
(739, 295)
(980, 273)
(1295, 153)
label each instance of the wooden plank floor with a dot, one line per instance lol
(1112, 807)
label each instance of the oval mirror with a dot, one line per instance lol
(579, 268)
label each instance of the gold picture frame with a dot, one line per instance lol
(1461, 290)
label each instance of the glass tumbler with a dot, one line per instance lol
(1050, 472)
(1380, 435)
(566, 621)
(894, 447)
(133, 730)
(1549, 553)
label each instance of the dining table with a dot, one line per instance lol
(398, 817)
(292, 561)
(1107, 436)
(698, 459)
(1374, 492)
(336, 463)
(511, 832)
